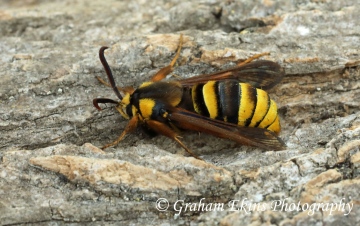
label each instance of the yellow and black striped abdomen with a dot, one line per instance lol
(238, 103)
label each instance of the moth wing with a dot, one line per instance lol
(262, 74)
(256, 137)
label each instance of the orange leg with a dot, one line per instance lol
(127, 89)
(130, 127)
(256, 56)
(163, 72)
(103, 82)
(163, 129)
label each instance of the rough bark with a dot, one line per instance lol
(51, 170)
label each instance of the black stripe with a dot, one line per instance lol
(229, 99)
(219, 100)
(253, 97)
(199, 100)
(272, 122)
(268, 107)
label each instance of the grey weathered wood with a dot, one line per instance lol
(49, 60)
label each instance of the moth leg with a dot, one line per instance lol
(130, 127)
(127, 89)
(102, 81)
(163, 129)
(176, 130)
(256, 56)
(163, 72)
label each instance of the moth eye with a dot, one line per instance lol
(128, 110)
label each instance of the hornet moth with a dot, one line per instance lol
(229, 104)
